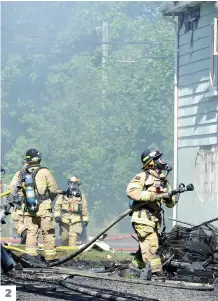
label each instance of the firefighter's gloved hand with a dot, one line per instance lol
(58, 219)
(171, 193)
(84, 224)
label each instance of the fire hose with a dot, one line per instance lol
(182, 188)
(5, 193)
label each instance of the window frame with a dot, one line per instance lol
(215, 36)
(214, 56)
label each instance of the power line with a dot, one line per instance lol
(69, 54)
(95, 56)
(57, 53)
(89, 42)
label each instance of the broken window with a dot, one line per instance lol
(206, 175)
(190, 18)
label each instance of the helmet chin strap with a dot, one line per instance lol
(149, 167)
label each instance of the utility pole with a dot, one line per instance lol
(105, 54)
(104, 43)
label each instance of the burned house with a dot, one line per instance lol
(196, 106)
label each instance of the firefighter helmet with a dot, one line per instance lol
(32, 155)
(74, 180)
(148, 155)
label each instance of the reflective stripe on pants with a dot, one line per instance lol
(31, 251)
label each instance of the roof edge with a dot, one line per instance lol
(175, 8)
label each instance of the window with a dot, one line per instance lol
(214, 55)
(190, 18)
(206, 175)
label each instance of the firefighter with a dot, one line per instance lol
(38, 195)
(17, 216)
(71, 213)
(146, 221)
(19, 224)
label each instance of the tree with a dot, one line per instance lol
(83, 122)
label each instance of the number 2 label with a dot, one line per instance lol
(8, 292)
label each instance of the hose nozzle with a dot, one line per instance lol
(190, 187)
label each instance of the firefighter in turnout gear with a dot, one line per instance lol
(146, 220)
(19, 223)
(39, 190)
(17, 216)
(71, 213)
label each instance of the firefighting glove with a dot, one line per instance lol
(58, 219)
(84, 224)
(23, 237)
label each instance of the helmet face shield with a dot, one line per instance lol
(163, 165)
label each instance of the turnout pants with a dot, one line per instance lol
(19, 224)
(148, 245)
(70, 233)
(34, 225)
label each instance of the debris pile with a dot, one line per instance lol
(191, 253)
(98, 245)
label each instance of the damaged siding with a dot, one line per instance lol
(198, 120)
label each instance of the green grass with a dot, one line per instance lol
(92, 255)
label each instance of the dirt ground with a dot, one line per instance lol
(30, 288)
(49, 291)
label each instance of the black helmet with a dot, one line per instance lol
(32, 155)
(149, 155)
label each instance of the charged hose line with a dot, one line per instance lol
(125, 213)
(5, 193)
(91, 292)
(162, 283)
(15, 249)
